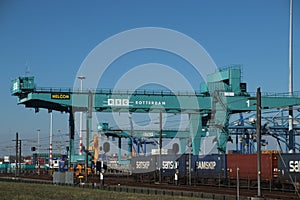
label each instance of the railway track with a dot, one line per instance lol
(128, 181)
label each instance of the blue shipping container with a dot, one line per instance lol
(209, 166)
(289, 167)
(182, 165)
(169, 164)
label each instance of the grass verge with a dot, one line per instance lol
(15, 190)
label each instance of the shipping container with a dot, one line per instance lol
(202, 167)
(143, 164)
(169, 164)
(41, 161)
(182, 166)
(289, 167)
(245, 166)
(22, 167)
(3, 168)
(209, 166)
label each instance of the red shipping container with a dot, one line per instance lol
(247, 164)
(41, 161)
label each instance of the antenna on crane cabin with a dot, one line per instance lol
(27, 69)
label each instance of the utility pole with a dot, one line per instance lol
(160, 145)
(258, 133)
(237, 184)
(130, 139)
(190, 160)
(50, 149)
(291, 115)
(38, 150)
(20, 156)
(17, 143)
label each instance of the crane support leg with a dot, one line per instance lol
(182, 142)
(195, 132)
(129, 148)
(222, 142)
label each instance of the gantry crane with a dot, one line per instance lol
(209, 110)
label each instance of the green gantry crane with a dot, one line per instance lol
(209, 110)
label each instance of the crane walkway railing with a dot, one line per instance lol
(119, 91)
(153, 92)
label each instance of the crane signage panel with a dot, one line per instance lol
(118, 102)
(127, 102)
(156, 103)
(63, 96)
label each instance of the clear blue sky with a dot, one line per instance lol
(52, 38)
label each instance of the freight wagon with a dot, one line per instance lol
(277, 170)
(22, 168)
